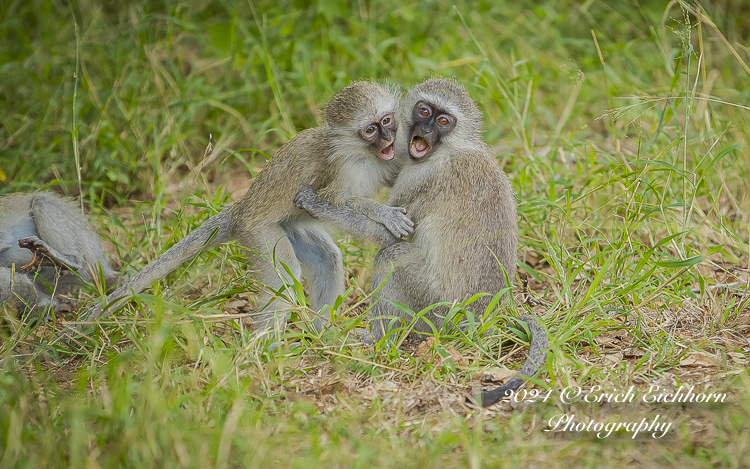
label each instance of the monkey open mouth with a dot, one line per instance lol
(419, 147)
(387, 153)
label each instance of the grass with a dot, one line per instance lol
(623, 126)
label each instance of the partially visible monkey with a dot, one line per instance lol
(348, 160)
(52, 246)
(464, 211)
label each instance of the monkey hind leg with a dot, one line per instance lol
(322, 267)
(269, 249)
(408, 284)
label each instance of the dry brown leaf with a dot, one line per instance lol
(495, 375)
(425, 349)
(698, 359)
(738, 357)
(234, 304)
(292, 396)
(458, 359)
(425, 346)
(331, 388)
(368, 392)
(613, 358)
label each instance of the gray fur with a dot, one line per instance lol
(333, 159)
(18, 290)
(464, 211)
(68, 251)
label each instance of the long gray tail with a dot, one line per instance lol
(537, 352)
(212, 232)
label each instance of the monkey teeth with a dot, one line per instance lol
(387, 153)
(419, 147)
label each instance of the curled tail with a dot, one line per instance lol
(537, 352)
(212, 232)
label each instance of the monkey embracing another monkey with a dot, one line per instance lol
(347, 160)
(464, 212)
(44, 234)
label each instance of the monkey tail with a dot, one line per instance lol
(212, 232)
(537, 353)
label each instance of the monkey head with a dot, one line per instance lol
(442, 114)
(429, 124)
(363, 113)
(380, 135)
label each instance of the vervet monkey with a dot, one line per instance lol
(50, 246)
(464, 211)
(347, 160)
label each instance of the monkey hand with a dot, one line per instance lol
(45, 255)
(395, 220)
(307, 199)
(38, 247)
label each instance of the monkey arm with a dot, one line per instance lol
(393, 218)
(344, 218)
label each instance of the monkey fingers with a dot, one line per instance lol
(395, 220)
(31, 265)
(36, 260)
(307, 200)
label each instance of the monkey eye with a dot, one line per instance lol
(370, 129)
(442, 120)
(386, 121)
(424, 112)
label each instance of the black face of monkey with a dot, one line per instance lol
(380, 135)
(429, 125)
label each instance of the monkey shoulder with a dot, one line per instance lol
(299, 157)
(304, 148)
(480, 173)
(44, 200)
(60, 223)
(301, 161)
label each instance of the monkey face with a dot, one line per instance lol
(429, 125)
(380, 135)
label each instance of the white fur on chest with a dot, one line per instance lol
(363, 177)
